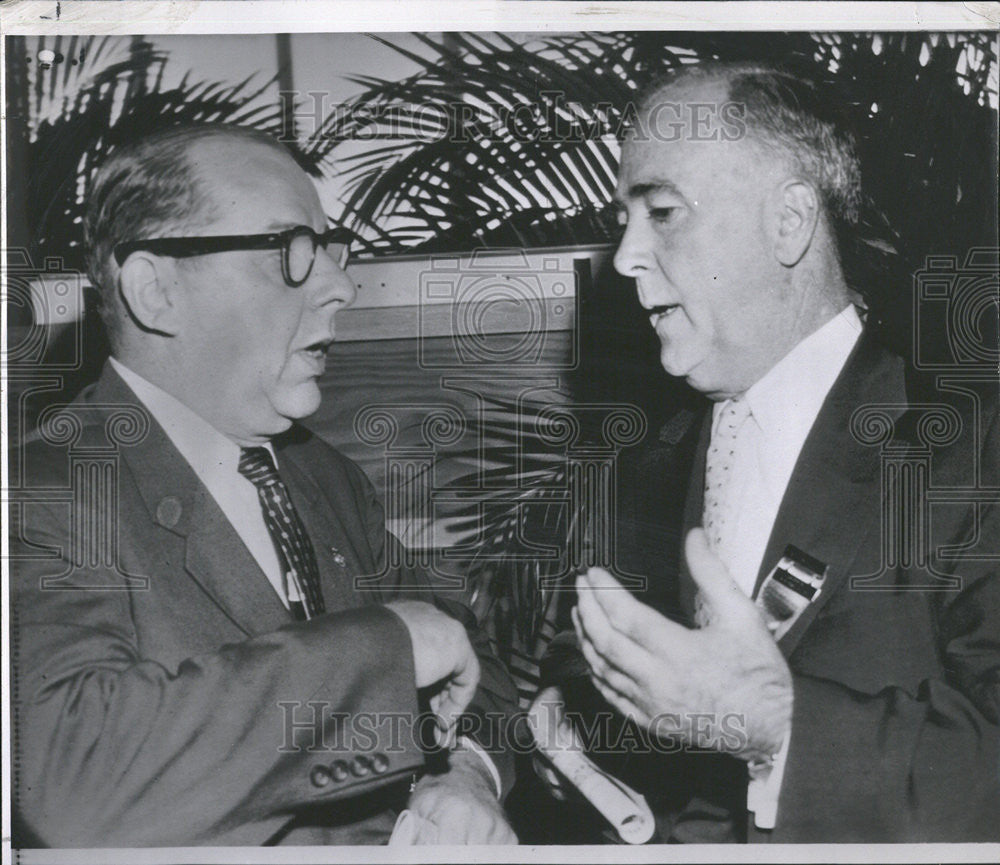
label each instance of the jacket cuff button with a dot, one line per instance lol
(339, 770)
(360, 767)
(380, 764)
(319, 776)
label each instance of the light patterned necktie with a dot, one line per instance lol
(719, 467)
(295, 550)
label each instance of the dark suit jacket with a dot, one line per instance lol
(164, 712)
(897, 687)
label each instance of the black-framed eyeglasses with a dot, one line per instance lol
(298, 247)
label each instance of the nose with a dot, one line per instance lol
(633, 259)
(630, 259)
(329, 285)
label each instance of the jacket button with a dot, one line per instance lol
(339, 770)
(360, 767)
(380, 763)
(319, 776)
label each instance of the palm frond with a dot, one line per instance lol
(88, 110)
(466, 171)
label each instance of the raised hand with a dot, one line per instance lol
(724, 685)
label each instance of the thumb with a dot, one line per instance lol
(455, 696)
(446, 712)
(717, 588)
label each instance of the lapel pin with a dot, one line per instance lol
(168, 511)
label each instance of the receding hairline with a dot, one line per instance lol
(707, 73)
(232, 166)
(712, 85)
(219, 138)
(185, 139)
(228, 142)
(694, 77)
(717, 81)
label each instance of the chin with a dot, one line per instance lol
(672, 366)
(716, 389)
(297, 403)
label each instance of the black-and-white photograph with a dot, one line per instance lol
(527, 436)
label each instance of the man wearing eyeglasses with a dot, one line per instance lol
(224, 681)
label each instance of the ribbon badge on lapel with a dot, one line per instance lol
(794, 583)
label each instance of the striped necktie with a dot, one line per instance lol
(295, 550)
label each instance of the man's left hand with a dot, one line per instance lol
(460, 806)
(724, 685)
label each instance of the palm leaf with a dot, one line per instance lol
(102, 105)
(469, 178)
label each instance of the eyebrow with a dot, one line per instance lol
(282, 225)
(639, 190)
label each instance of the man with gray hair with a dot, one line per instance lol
(227, 677)
(836, 691)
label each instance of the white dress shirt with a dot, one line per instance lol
(215, 459)
(783, 407)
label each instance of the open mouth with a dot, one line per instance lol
(659, 312)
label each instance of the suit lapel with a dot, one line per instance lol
(337, 555)
(821, 512)
(214, 555)
(826, 510)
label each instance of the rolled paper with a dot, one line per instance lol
(624, 808)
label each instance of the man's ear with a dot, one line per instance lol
(797, 204)
(148, 291)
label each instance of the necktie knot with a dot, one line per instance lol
(257, 466)
(734, 413)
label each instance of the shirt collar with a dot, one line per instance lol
(792, 392)
(205, 448)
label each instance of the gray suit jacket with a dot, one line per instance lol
(168, 697)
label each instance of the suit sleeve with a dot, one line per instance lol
(490, 716)
(114, 749)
